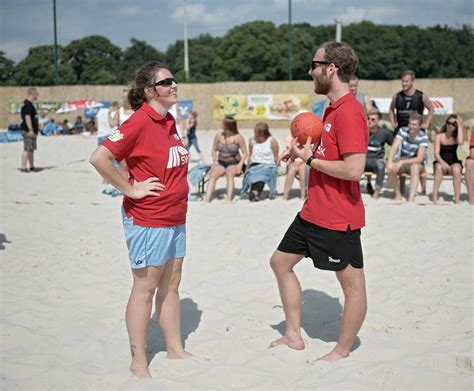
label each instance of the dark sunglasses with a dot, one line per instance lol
(165, 82)
(314, 64)
(373, 119)
(452, 123)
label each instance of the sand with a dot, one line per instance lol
(65, 281)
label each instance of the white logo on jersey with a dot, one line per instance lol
(178, 156)
(327, 127)
(321, 149)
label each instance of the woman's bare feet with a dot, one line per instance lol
(332, 356)
(296, 343)
(140, 371)
(178, 355)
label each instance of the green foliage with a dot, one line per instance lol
(138, 54)
(7, 68)
(37, 68)
(251, 51)
(254, 51)
(95, 60)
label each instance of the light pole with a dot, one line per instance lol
(290, 44)
(186, 55)
(56, 73)
(338, 29)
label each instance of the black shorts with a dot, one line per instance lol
(329, 249)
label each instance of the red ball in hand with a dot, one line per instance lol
(306, 125)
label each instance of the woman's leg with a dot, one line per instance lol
(456, 170)
(137, 316)
(168, 308)
(438, 178)
(302, 174)
(290, 176)
(230, 173)
(216, 172)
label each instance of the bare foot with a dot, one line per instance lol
(292, 343)
(140, 372)
(376, 195)
(398, 198)
(179, 355)
(332, 356)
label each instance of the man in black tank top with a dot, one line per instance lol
(407, 102)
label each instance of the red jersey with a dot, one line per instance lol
(337, 203)
(471, 141)
(151, 146)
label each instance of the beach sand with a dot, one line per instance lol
(65, 281)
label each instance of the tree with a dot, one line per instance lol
(251, 51)
(202, 51)
(7, 68)
(95, 60)
(37, 68)
(136, 55)
(379, 49)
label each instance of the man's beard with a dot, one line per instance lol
(323, 85)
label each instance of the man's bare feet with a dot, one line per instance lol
(332, 356)
(140, 372)
(178, 355)
(293, 343)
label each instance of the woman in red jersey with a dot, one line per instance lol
(154, 208)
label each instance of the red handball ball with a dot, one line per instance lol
(306, 125)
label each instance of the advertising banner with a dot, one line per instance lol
(442, 104)
(260, 106)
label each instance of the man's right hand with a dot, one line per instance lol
(31, 134)
(148, 187)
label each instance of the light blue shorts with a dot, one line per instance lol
(149, 246)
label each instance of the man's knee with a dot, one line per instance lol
(278, 264)
(414, 169)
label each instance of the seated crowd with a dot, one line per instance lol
(406, 158)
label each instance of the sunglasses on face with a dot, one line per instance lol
(372, 119)
(452, 123)
(165, 82)
(314, 64)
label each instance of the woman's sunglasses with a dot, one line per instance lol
(452, 123)
(166, 82)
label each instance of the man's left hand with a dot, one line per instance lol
(304, 152)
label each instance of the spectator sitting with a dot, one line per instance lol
(445, 152)
(79, 126)
(42, 120)
(414, 144)
(65, 128)
(90, 126)
(226, 157)
(263, 154)
(296, 167)
(51, 128)
(376, 152)
(469, 174)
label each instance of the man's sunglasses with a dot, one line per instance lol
(314, 64)
(166, 82)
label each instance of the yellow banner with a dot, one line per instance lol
(260, 106)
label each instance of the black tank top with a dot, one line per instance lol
(449, 153)
(408, 105)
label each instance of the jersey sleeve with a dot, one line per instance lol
(123, 140)
(424, 140)
(352, 132)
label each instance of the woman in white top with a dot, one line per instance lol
(263, 149)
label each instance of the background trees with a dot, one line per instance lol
(253, 51)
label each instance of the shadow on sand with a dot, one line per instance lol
(190, 319)
(321, 317)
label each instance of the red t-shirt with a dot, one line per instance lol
(337, 203)
(471, 141)
(151, 147)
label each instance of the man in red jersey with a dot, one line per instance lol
(327, 229)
